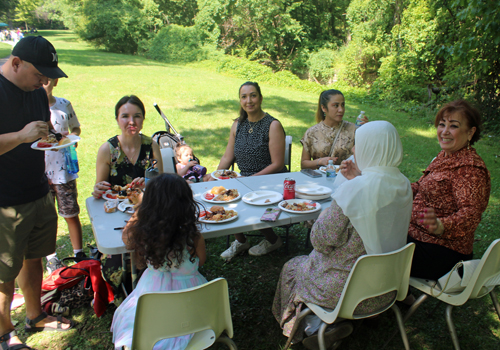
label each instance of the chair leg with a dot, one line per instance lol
(227, 341)
(399, 319)
(495, 302)
(302, 314)
(321, 336)
(415, 306)
(408, 314)
(451, 327)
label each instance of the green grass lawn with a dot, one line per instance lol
(5, 50)
(201, 105)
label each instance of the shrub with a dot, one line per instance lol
(176, 43)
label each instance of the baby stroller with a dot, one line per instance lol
(168, 140)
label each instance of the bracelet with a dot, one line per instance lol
(317, 163)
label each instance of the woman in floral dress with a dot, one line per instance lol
(370, 214)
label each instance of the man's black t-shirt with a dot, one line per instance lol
(22, 169)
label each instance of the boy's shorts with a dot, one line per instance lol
(67, 199)
(28, 232)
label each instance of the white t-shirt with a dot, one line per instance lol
(63, 119)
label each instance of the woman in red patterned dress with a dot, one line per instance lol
(451, 196)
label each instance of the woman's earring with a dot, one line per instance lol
(468, 144)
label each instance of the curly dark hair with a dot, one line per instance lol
(167, 222)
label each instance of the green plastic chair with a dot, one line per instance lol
(488, 267)
(372, 276)
(203, 310)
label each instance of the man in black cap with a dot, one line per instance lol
(28, 219)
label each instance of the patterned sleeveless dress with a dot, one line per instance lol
(122, 170)
(251, 149)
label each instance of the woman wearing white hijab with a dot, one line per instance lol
(370, 214)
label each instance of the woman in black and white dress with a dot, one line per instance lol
(257, 144)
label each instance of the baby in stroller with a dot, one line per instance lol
(188, 165)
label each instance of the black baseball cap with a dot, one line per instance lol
(41, 54)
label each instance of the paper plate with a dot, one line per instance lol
(281, 205)
(314, 198)
(217, 173)
(262, 197)
(73, 138)
(313, 190)
(219, 202)
(219, 222)
(126, 207)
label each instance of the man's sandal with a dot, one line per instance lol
(5, 338)
(43, 315)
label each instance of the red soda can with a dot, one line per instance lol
(289, 188)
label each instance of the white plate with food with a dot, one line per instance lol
(313, 190)
(262, 197)
(111, 195)
(126, 207)
(314, 198)
(43, 145)
(219, 217)
(323, 169)
(226, 196)
(299, 206)
(224, 174)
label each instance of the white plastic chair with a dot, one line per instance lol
(371, 276)
(168, 158)
(488, 267)
(203, 310)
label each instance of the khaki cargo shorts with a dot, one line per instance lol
(27, 231)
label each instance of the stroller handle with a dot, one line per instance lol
(167, 123)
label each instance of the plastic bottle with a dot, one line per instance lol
(330, 171)
(72, 166)
(359, 119)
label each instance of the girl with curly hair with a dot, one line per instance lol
(165, 235)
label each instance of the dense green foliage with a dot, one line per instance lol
(413, 54)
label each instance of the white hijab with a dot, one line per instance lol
(379, 202)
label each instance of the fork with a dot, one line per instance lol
(56, 134)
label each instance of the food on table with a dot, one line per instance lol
(133, 195)
(217, 213)
(110, 206)
(111, 195)
(217, 190)
(225, 174)
(267, 200)
(119, 188)
(209, 196)
(227, 195)
(299, 206)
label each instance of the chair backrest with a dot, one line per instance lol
(168, 158)
(371, 276)
(488, 267)
(288, 153)
(203, 310)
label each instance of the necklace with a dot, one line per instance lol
(253, 124)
